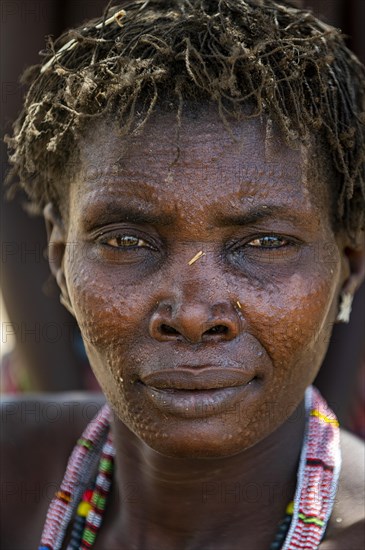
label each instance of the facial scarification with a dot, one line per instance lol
(146, 314)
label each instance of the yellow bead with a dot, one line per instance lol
(83, 509)
(290, 508)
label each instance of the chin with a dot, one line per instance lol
(188, 433)
(192, 440)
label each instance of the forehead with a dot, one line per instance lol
(199, 162)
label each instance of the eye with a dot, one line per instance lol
(269, 251)
(268, 242)
(125, 241)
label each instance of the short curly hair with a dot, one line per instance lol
(249, 57)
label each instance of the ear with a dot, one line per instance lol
(56, 236)
(354, 257)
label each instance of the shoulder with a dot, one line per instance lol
(38, 433)
(347, 526)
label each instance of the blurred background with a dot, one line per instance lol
(41, 349)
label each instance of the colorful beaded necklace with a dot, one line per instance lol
(83, 496)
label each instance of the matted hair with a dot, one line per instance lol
(249, 57)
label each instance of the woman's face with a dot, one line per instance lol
(205, 357)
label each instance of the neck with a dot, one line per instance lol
(211, 503)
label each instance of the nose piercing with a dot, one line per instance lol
(196, 257)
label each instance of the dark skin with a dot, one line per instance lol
(205, 365)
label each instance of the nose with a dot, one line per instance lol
(194, 322)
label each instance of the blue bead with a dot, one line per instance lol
(287, 520)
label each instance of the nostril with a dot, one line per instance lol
(217, 329)
(166, 330)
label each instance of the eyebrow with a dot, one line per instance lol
(98, 215)
(261, 213)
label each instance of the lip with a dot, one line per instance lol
(201, 392)
(196, 404)
(197, 378)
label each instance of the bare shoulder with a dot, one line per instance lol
(347, 527)
(38, 433)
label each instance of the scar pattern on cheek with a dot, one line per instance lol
(99, 319)
(289, 322)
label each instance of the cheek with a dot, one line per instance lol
(114, 322)
(106, 313)
(293, 321)
(110, 323)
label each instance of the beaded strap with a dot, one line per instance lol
(90, 511)
(80, 468)
(318, 474)
(98, 500)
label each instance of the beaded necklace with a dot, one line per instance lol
(84, 496)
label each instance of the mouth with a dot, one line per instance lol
(201, 378)
(197, 392)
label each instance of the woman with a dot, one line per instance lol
(200, 169)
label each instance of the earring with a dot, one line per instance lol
(66, 304)
(345, 308)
